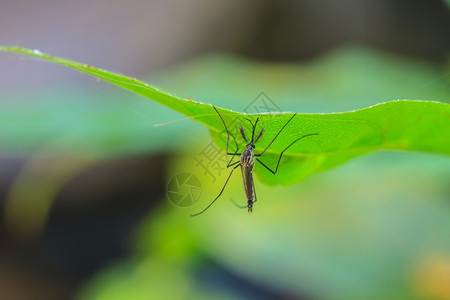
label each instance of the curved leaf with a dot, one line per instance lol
(395, 125)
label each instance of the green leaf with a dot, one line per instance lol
(395, 125)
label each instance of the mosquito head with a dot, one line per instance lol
(251, 146)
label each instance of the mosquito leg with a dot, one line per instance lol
(221, 191)
(230, 165)
(253, 126)
(254, 192)
(232, 157)
(274, 172)
(276, 136)
(281, 154)
(237, 204)
(253, 130)
(251, 123)
(228, 133)
(245, 206)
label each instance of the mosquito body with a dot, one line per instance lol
(247, 161)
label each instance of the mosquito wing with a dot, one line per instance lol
(247, 178)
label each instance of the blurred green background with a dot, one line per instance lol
(85, 167)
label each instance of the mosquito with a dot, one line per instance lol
(247, 160)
